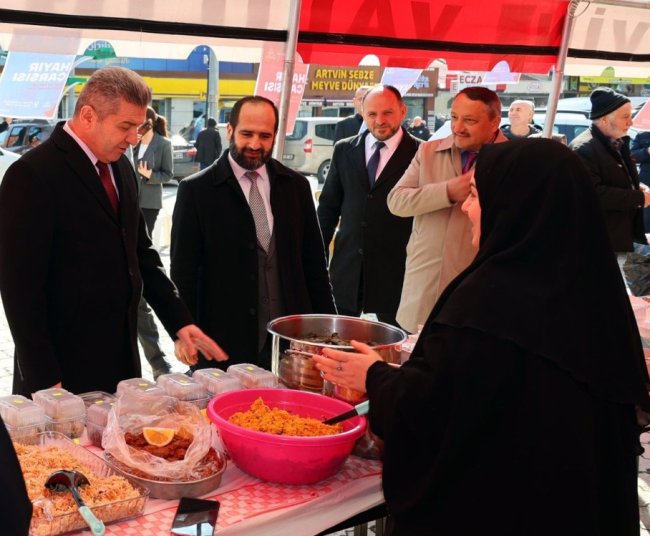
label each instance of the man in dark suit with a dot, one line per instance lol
(367, 267)
(208, 144)
(74, 251)
(246, 247)
(351, 126)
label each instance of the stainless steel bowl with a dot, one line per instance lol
(293, 331)
(173, 490)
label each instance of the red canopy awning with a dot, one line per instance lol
(413, 33)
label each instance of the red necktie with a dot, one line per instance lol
(470, 158)
(107, 183)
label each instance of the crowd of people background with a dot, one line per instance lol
(504, 250)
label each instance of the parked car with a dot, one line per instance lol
(567, 123)
(21, 135)
(6, 159)
(184, 154)
(308, 149)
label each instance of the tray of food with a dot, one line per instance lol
(110, 495)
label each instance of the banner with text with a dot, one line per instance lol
(269, 85)
(32, 84)
(401, 78)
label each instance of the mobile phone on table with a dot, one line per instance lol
(195, 517)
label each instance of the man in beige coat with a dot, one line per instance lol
(432, 191)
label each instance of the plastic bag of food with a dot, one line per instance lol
(138, 435)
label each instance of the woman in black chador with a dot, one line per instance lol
(515, 414)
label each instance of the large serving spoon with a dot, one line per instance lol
(359, 409)
(69, 481)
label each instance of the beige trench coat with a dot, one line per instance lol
(440, 246)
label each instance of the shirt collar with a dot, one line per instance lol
(81, 144)
(391, 143)
(240, 171)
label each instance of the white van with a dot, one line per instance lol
(308, 149)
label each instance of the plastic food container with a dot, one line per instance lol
(98, 405)
(281, 458)
(65, 412)
(138, 386)
(111, 511)
(184, 388)
(22, 416)
(251, 376)
(215, 381)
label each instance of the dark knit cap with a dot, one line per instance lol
(605, 100)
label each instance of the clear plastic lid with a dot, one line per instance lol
(97, 413)
(17, 411)
(60, 404)
(94, 397)
(181, 386)
(253, 376)
(216, 381)
(138, 385)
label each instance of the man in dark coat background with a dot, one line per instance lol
(74, 250)
(367, 267)
(246, 247)
(604, 149)
(208, 144)
(351, 126)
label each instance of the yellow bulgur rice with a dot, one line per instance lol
(261, 418)
(39, 462)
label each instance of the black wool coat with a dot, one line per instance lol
(72, 271)
(620, 198)
(214, 254)
(369, 237)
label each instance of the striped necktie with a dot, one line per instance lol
(258, 210)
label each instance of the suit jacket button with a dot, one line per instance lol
(360, 251)
(369, 196)
(251, 311)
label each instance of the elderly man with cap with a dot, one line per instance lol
(604, 149)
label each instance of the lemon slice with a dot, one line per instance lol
(159, 437)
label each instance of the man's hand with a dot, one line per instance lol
(458, 187)
(646, 198)
(191, 339)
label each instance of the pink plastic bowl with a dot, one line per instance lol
(285, 459)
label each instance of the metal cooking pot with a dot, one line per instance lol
(293, 332)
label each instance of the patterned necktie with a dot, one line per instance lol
(373, 163)
(259, 211)
(109, 188)
(470, 158)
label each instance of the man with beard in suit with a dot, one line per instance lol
(367, 267)
(246, 247)
(75, 256)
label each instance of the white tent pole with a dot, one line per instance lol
(287, 76)
(558, 72)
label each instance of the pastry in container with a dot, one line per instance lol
(184, 388)
(22, 416)
(216, 381)
(137, 386)
(98, 405)
(65, 412)
(251, 376)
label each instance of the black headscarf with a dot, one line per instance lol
(545, 276)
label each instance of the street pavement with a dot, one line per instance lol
(161, 240)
